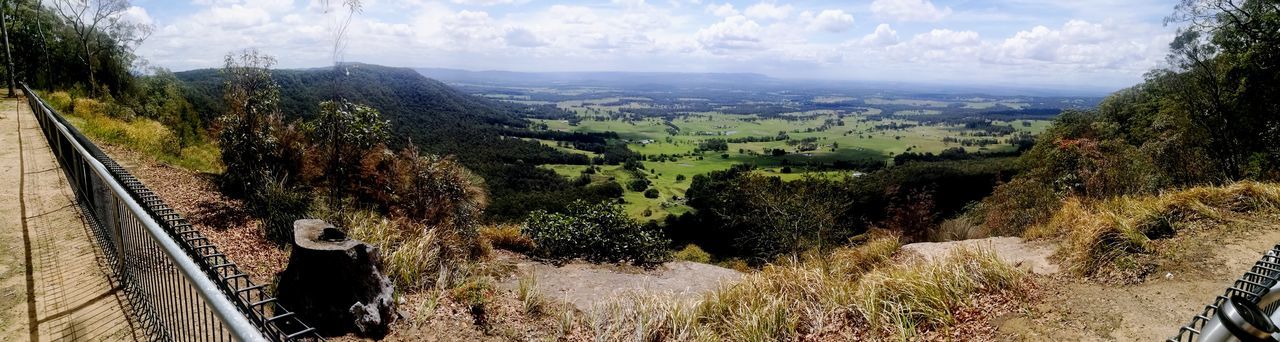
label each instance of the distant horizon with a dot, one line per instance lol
(1063, 90)
(1091, 44)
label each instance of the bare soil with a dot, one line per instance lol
(222, 219)
(1073, 309)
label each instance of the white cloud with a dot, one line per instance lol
(772, 36)
(832, 21)
(944, 38)
(723, 10)
(883, 36)
(909, 10)
(234, 17)
(767, 11)
(137, 15)
(487, 2)
(1078, 43)
(522, 38)
(735, 32)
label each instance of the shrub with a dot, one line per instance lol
(651, 193)
(279, 205)
(476, 293)
(795, 299)
(86, 108)
(1017, 205)
(608, 189)
(252, 99)
(506, 236)
(600, 232)
(437, 192)
(692, 252)
(638, 184)
(959, 228)
(60, 101)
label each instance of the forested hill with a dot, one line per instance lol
(405, 97)
(432, 115)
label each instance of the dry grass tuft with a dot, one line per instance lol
(1116, 240)
(506, 236)
(851, 292)
(903, 300)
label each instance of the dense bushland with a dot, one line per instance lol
(1210, 117)
(739, 212)
(439, 120)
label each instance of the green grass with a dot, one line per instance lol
(141, 135)
(855, 140)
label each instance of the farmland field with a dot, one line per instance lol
(853, 137)
(678, 133)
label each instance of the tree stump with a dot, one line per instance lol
(333, 282)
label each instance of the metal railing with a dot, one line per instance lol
(178, 285)
(1258, 285)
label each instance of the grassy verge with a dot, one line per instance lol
(1122, 239)
(142, 135)
(853, 293)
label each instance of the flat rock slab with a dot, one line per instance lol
(586, 285)
(1029, 255)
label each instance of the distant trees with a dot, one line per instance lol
(713, 145)
(48, 50)
(741, 212)
(638, 184)
(98, 27)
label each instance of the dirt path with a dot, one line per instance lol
(1076, 310)
(52, 286)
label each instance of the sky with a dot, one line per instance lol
(1062, 43)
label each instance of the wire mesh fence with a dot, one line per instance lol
(1254, 285)
(178, 285)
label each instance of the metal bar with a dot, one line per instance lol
(159, 259)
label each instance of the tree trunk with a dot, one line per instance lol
(44, 47)
(88, 65)
(8, 56)
(333, 283)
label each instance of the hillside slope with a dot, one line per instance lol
(426, 113)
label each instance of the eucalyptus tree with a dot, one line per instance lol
(100, 25)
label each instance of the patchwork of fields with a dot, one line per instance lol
(860, 134)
